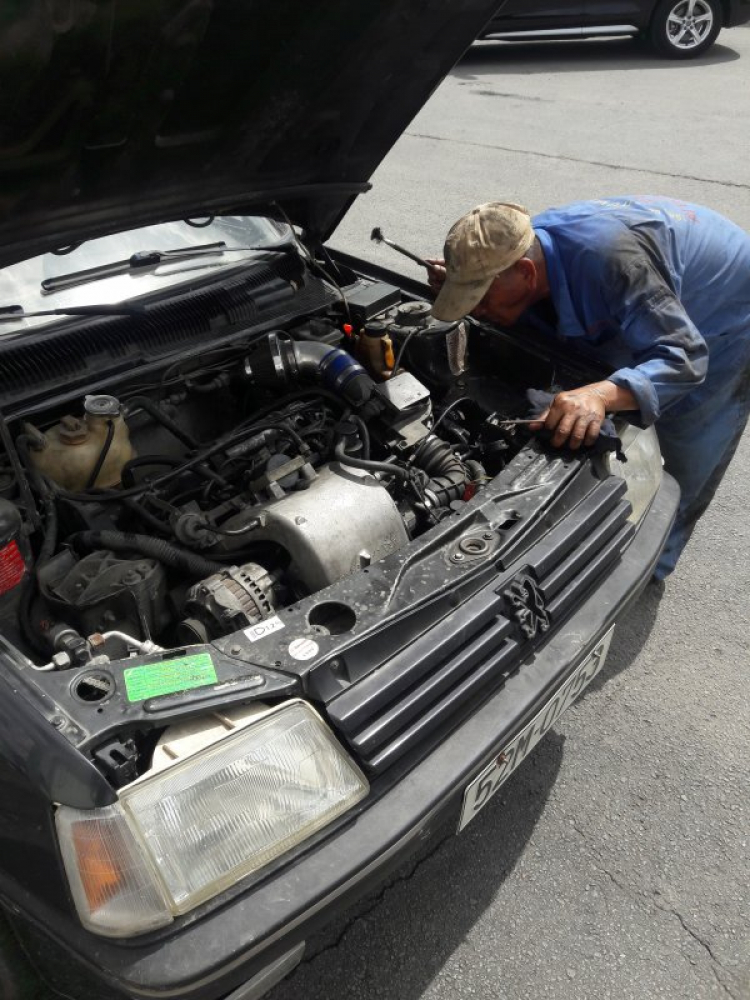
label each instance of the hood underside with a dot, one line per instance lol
(120, 115)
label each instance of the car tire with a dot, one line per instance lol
(684, 29)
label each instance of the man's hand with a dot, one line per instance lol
(575, 417)
(435, 273)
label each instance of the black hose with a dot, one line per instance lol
(119, 495)
(30, 629)
(147, 517)
(447, 410)
(334, 367)
(476, 470)
(155, 411)
(127, 477)
(402, 350)
(293, 397)
(360, 463)
(24, 443)
(102, 455)
(18, 467)
(155, 548)
(364, 435)
(448, 475)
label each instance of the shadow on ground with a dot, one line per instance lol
(395, 941)
(524, 58)
(631, 633)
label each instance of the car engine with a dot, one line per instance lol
(232, 483)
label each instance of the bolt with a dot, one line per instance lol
(235, 650)
(487, 536)
(501, 759)
(457, 556)
(57, 721)
(299, 519)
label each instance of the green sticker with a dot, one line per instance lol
(169, 676)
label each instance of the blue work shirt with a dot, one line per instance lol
(659, 289)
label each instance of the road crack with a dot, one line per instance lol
(377, 899)
(575, 159)
(649, 900)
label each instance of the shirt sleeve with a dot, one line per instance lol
(670, 355)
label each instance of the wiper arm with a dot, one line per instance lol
(142, 259)
(9, 314)
(150, 258)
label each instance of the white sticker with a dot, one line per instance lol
(264, 628)
(303, 649)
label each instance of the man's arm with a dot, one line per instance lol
(670, 357)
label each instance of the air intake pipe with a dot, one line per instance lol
(335, 369)
(448, 475)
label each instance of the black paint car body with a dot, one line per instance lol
(427, 661)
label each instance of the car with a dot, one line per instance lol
(284, 585)
(679, 29)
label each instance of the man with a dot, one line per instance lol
(658, 289)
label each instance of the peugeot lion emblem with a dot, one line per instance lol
(527, 606)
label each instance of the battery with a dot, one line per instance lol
(369, 299)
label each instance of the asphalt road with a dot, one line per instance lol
(615, 862)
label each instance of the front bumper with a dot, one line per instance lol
(209, 958)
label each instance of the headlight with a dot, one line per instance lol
(643, 470)
(178, 837)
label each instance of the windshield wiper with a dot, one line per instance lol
(142, 259)
(150, 258)
(9, 314)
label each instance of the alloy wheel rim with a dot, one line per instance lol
(689, 22)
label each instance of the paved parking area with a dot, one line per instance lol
(615, 864)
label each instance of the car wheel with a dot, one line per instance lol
(683, 29)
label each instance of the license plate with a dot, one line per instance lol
(482, 788)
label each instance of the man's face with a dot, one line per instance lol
(509, 295)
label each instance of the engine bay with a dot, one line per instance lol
(242, 478)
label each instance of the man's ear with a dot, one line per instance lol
(527, 270)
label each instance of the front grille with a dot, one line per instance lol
(420, 693)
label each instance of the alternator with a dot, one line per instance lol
(233, 599)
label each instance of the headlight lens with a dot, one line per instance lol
(180, 836)
(643, 470)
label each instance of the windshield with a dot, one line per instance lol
(21, 284)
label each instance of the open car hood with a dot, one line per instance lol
(124, 115)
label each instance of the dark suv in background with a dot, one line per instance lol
(680, 29)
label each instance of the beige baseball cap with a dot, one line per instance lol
(485, 241)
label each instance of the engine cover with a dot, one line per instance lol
(344, 520)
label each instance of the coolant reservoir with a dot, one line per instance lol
(69, 452)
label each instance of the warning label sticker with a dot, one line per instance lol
(12, 567)
(169, 676)
(264, 628)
